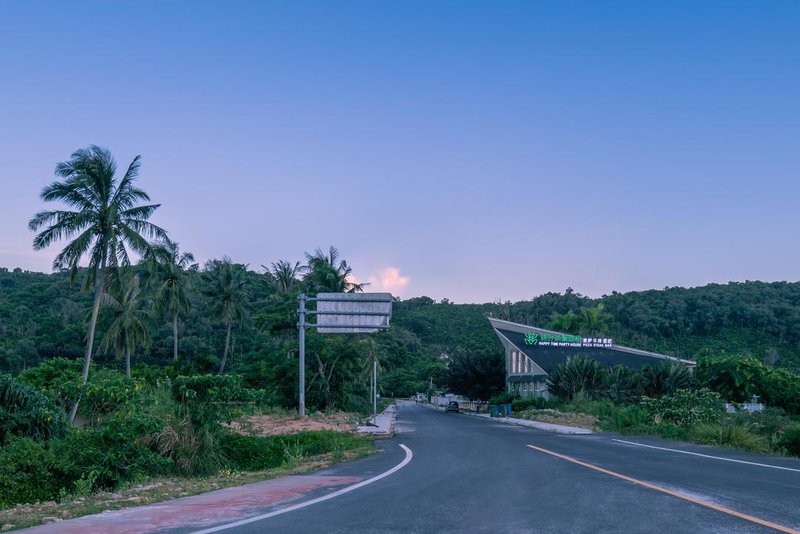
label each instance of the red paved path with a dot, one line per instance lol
(200, 511)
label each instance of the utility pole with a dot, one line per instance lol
(374, 385)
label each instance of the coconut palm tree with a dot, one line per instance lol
(283, 276)
(226, 289)
(325, 273)
(127, 331)
(167, 267)
(107, 218)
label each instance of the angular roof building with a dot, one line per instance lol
(532, 353)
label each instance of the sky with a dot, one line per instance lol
(475, 151)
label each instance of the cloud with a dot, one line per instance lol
(389, 279)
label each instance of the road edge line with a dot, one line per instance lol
(348, 489)
(673, 493)
(722, 458)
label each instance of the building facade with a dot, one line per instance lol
(531, 353)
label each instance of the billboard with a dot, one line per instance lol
(353, 313)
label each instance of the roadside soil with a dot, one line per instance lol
(278, 425)
(556, 417)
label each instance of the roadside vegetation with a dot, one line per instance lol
(131, 362)
(672, 402)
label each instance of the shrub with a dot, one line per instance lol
(578, 378)
(518, 405)
(666, 379)
(189, 441)
(737, 379)
(621, 383)
(27, 412)
(503, 398)
(58, 378)
(251, 453)
(791, 440)
(624, 418)
(113, 453)
(105, 392)
(685, 407)
(27, 473)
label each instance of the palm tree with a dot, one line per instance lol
(324, 273)
(167, 267)
(594, 320)
(283, 276)
(106, 220)
(127, 330)
(578, 378)
(227, 293)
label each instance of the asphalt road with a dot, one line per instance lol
(473, 475)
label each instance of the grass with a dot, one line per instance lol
(763, 432)
(163, 489)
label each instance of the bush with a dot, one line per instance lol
(27, 473)
(686, 407)
(737, 379)
(58, 378)
(625, 419)
(113, 453)
(27, 412)
(579, 378)
(503, 398)
(666, 379)
(791, 440)
(252, 453)
(105, 392)
(188, 438)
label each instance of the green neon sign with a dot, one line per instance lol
(565, 340)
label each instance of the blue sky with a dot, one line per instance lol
(470, 150)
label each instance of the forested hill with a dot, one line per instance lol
(760, 319)
(44, 316)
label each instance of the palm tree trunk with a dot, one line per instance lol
(175, 337)
(227, 347)
(87, 360)
(127, 356)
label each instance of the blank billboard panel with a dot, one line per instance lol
(353, 313)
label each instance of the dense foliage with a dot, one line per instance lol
(183, 349)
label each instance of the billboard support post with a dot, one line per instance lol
(341, 313)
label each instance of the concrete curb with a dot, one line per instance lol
(548, 427)
(384, 424)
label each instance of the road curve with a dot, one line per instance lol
(473, 475)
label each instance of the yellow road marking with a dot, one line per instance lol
(674, 493)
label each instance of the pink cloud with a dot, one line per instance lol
(389, 279)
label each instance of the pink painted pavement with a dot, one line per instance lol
(198, 511)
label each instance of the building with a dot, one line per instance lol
(531, 353)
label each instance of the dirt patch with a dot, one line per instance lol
(277, 425)
(555, 417)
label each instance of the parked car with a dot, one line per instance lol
(452, 406)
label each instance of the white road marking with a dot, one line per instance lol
(709, 456)
(406, 460)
